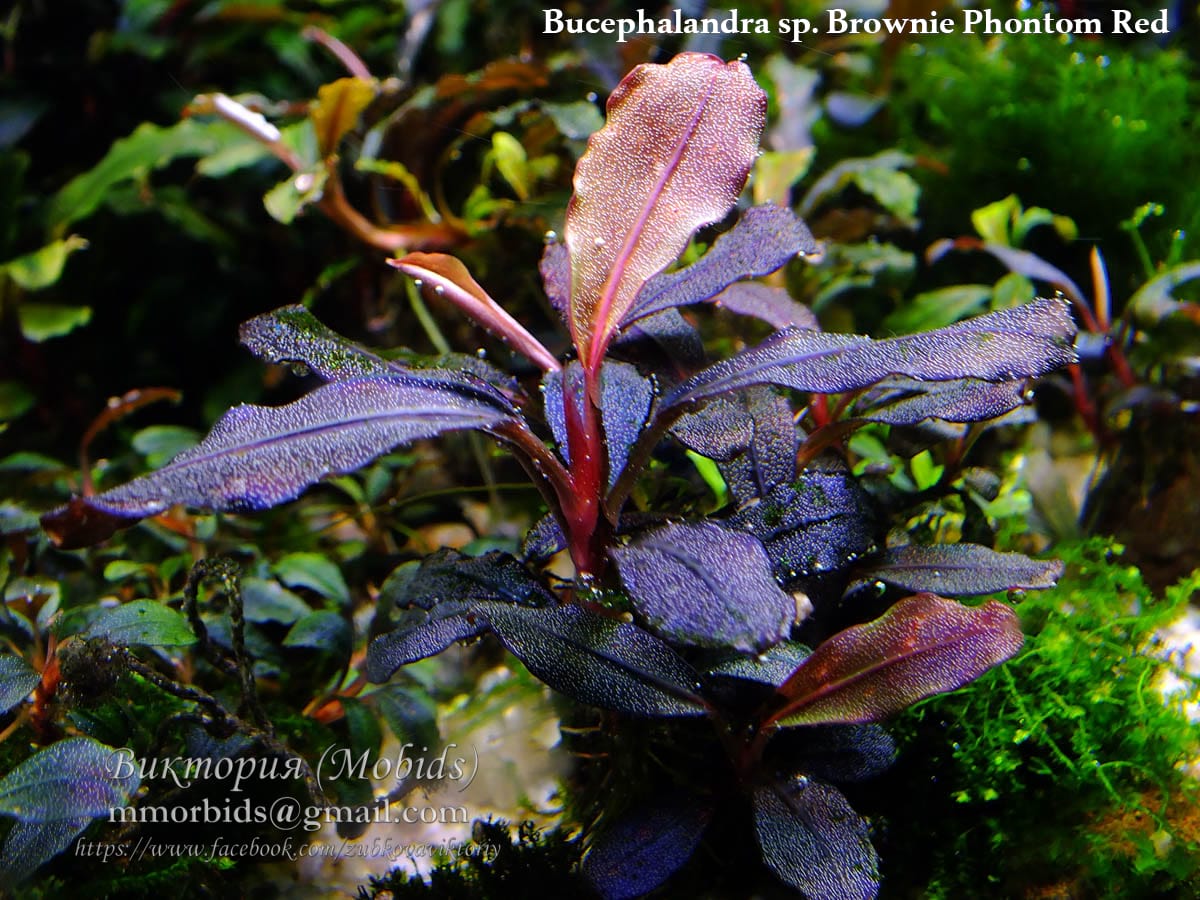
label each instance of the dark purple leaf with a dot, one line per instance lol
(822, 522)
(752, 436)
(1001, 346)
(701, 585)
(673, 157)
(838, 753)
(965, 569)
(771, 667)
(764, 239)
(256, 457)
(902, 401)
(449, 575)
(720, 430)
(769, 459)
(813, 841)
(420, 634)
(598, 660)
(30, 844)
(923, 645)
(772, 305)
(69, 779)
(625, 398)
(643, 848)
(17, 680)
(543, 540)
(294, 335)
(555, 268)
(673, 337)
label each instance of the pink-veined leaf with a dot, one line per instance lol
(673, 157)
(923, 645)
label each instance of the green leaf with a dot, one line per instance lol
(777, 171)
(323, 630)
(266, 600)
(314, 571)
(1013, 289)
(43, 321)
(145, 622)
(120, 569)
(512, 162)
(148, 148)
(286, 200)
(994, 221)
(162, 443)
(575, 121)
(397, 171)
(896, 191)
(17, 680)
(15, 400)
(75, 778)
(937, 309)
(43, 267)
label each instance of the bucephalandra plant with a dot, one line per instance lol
(667, 617)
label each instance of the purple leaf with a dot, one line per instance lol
(543, 540)
(450, 279)
(838, 753)
(256, 457)
(813, 841)
(673, 157)
(70, 779)
(819, 524)
(643, 848)
(701, 585)
(964, 569)
(555, 267)
(923, 645)
(294, 335)
(598, 660)
(1001, 346)
(771, 667)
(450, 575)
(901, 401)
(672, 335)
(30, 844)
(625, 398)
(720, 430)
(772, 305)
(764, 239)
(421, 633)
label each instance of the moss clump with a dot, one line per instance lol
(1064, 770)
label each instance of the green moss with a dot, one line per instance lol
(1062, 770)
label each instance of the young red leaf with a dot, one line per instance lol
(450, 279)
(674, 156)
(923, 645)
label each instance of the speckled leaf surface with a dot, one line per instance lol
(419, 634)
(965, 569)
(598, 660)
(702, 585)
(814, 842)
(764, 239)
(69, 779)
(773, 305)
(17, 680)
(256, 457)
(1013, 343)
(643, 848)
(294, 335)
(821, 522)
(674, 155)
(903, 401)
(555, 269)
(450, 575)
(625, 399)
(837, 753)
(923, 645)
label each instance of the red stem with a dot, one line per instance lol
(587, 529)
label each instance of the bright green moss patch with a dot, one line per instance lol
(1064, 770)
